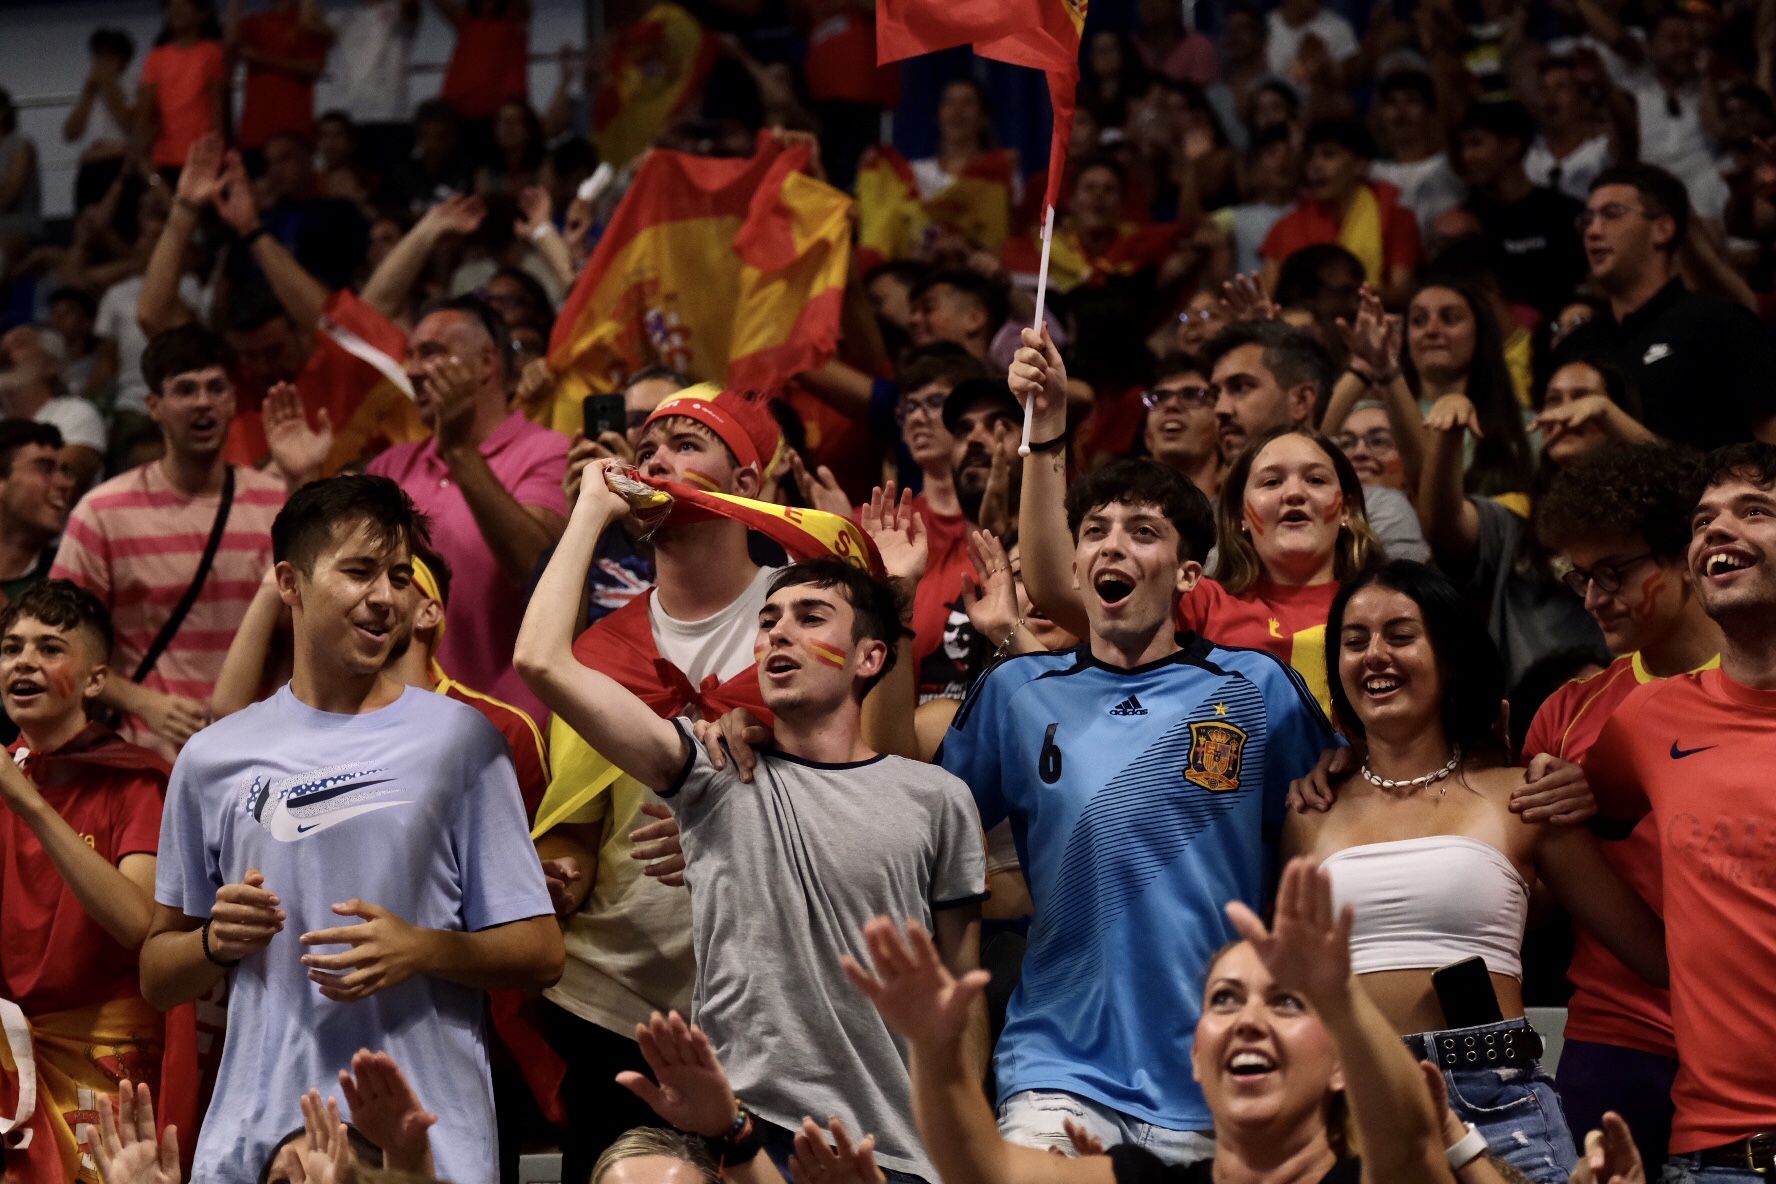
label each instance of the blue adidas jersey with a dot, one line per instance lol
(1142, 801)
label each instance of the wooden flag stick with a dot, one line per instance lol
(1048, 226)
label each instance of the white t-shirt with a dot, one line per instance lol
(117, 322)
(1671, 137)
(1429, 188)
(721, 644)
(1577, 169)
(101, 126)
(1285, 40)
(371, 54)
(77, 420)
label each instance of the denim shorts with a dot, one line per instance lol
(1681, 1169)
(1516, 1109)
(1036, 1118)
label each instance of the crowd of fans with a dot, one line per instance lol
(1377, 638)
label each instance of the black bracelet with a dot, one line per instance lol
(1059, 441)
(254, 235)
(741, 1142)
(205, 932)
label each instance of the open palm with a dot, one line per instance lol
(911, 987)
(126, 1149)
(692, 1093)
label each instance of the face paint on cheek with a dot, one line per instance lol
(61, 682)
(1336, 509)
(1253, 519)
(826, 653)
(701, 480)
(1651, 592)
(758, 653)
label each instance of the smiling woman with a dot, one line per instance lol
(1291, 525)
(1425, 846)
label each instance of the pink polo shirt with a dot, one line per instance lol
(482, 617)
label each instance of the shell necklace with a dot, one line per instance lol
(1430, 778)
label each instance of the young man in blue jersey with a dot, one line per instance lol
(1145, 775)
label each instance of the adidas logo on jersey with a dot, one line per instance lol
(1129, 706)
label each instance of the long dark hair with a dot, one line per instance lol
(1468, 662)
(209, 29)
(1502, 459)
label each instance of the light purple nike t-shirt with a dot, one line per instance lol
(413, 807)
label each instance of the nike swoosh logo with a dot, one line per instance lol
(286, 829)
(302, 830)
(1677, 754)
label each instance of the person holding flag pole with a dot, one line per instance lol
(1046, 39)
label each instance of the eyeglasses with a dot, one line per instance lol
(1608, 576)
(1375, 440)
(1613, 211)
(1201, 316)
(1191, 397)
(931, 406)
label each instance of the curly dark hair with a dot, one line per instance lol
(1751, 461)
(1624, 489)
(1132, 481)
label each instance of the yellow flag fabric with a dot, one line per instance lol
(726, 270)
(1361, 233)
(657, 65)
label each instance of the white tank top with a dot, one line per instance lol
(1424, 903)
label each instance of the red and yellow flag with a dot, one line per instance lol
(657, 65)
(729, 270)
(804, 533)
(1041, 34)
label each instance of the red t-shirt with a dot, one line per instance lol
(937, 606)
(529, 760)
(185, 79)
(1610, 1003)
(1287, 622)
(55, 957)
(278, 100)
(1312, 222)
(488, 66)
(1698, 749)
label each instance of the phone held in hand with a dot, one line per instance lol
(603, 413)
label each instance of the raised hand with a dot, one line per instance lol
(234, 200)
(299, 450)
(383, 951)
(1243, 298)
(911, 987)
(1037, 372)
(126, 1149)
(458, 214)
(657, 844)
(201, 178)
(534, 210)
(536, 386)
(819, 486)
(385, 1108)
(173, 717)
(692, 1093)
(989, 596)
(1555, 422)
(244, 918)
(898, 532)
(1453, 413)
(323, 1155)
(841, 1162)
(1307, 947)
(452, 384)
(1374, 338)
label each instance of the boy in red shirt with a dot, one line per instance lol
(79, 827)
(1696, 750)
(1621, 518)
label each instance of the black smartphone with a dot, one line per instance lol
(1464, 990)
(603, 413)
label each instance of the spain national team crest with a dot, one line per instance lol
(1216, 748)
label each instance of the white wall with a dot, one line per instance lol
(43, 63)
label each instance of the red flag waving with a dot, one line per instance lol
(1041, 34)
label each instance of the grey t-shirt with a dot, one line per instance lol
(1528, 616)
(1395, 524)
(783, 875)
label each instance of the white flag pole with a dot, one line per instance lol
(1048, 226)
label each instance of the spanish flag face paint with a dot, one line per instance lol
(700, 480)
(826, 654)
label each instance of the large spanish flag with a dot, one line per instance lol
(657, 66)
(727, 270)
(893, 219)
(1041, 34)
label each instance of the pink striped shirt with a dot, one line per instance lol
(135, 541)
